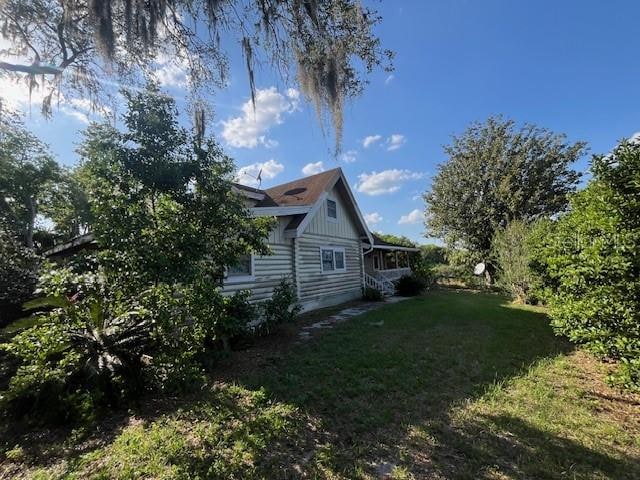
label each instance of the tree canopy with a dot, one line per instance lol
(28, 173)
(496, 173)
(74, 46)
(397, 239)
(163, 208)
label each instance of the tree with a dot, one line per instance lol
(74, 44)
(27, 174)
(18, 274)
(433, 254)
(397, 239)
(67, 205)
(161, 198)
(497, 173)
(590, 262)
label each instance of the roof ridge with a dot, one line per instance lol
(280, 185)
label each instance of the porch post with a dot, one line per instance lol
(396, 257)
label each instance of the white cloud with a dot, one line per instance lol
(172, 68)
(248, 175)
(413, 217)
(171, 75)
(370, 140)
(313, 168)
(349, 156)
(395, 141)
(387, 181)
(372, 218)
(389, 79)
(249, 130)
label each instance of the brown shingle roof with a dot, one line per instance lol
(304, 191)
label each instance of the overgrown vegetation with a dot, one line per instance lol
(146, 312)
(590, 264)
(281, 308)
(450, 402)
(410, 285)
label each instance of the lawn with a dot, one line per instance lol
(453, 384)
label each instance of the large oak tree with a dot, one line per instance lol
(79, 46)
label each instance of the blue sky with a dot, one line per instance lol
(570, 66)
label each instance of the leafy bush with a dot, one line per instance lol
(372, 295)
(282, 307)
(410, 286)
(590, 263)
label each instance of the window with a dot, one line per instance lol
(243, 270)
(332, 209)
(332, 259)
(327, 260)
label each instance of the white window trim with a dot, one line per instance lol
(331, 219)
(334, 250)
(229, 280)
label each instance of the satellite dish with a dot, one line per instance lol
(479, 268)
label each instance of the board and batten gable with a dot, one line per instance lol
(316, 288)
(268, 270)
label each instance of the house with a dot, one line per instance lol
(321, 244)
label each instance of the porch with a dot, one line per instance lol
(384, 263)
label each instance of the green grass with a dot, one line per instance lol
(450, 385)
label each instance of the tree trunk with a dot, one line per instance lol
(488, 275)
(31, 206)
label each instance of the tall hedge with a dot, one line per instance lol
(591, 264)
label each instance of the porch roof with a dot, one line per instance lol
(380, 244)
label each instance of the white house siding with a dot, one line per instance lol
(318, 289)
(345, 227)
(269, 270)
(315, 288)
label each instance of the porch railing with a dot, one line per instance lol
(381, 284)
(392, 274)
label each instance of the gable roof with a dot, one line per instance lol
(301, 192)
(302, 198)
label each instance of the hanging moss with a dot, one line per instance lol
(321, 39)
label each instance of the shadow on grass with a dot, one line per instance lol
(499, 446)
(367, 383)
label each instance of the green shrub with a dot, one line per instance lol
(372, 295)
(86, 350)
(410, 286)
(590, 265)
(512, 252)
(282, 307)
